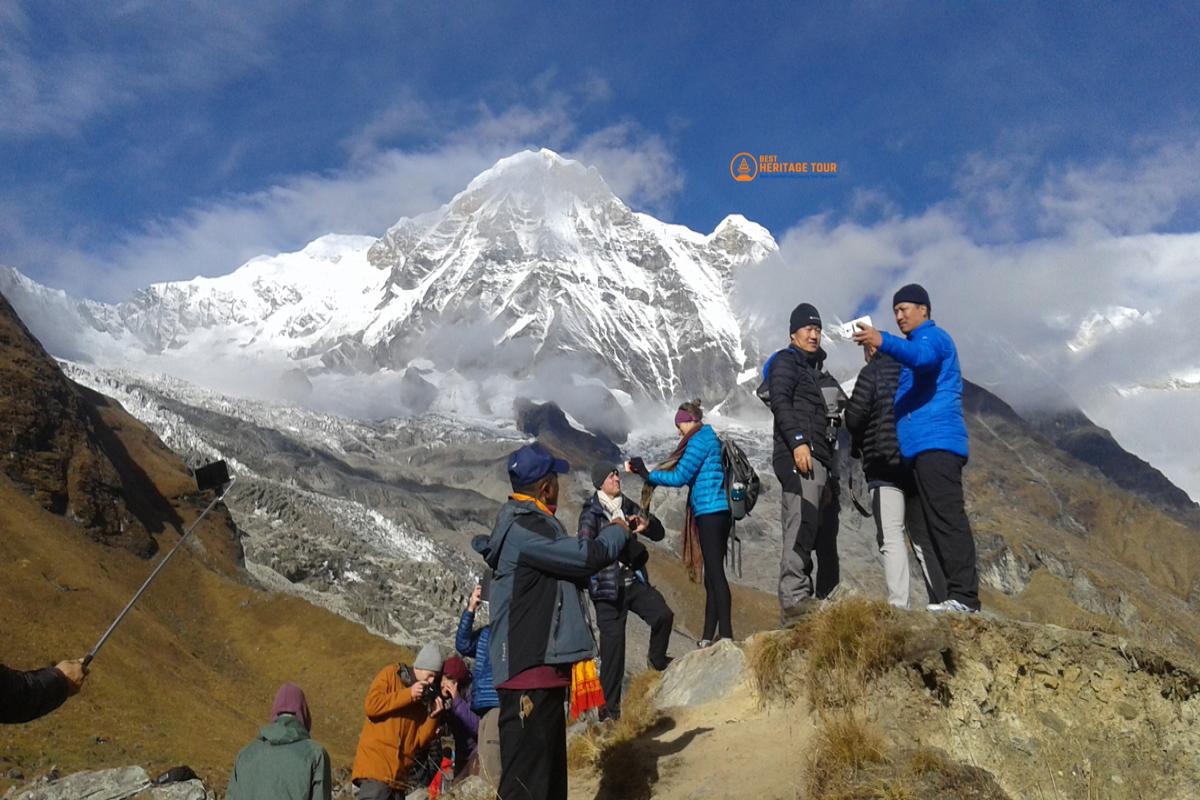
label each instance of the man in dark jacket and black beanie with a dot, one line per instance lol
(623, 586)
(25, 696)
(805, 400)
(539, 621)
(871, 422)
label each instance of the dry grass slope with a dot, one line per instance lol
(190, 676)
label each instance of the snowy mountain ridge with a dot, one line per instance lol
(535, 258)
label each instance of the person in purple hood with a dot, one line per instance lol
(283, 763)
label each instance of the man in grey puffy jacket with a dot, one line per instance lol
(539, 621)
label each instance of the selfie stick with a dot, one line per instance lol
(228, 482)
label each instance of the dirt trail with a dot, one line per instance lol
(719, 750)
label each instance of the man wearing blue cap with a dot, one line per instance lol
(933, 436)
(539, 623)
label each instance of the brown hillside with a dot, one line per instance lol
(56, 450)
(190, 676)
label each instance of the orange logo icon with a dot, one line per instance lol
(743, 167)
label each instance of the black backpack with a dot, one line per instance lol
(742, 484)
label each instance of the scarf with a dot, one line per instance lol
(611, 505)
(690, 536)
(528, 498)
(586, 692)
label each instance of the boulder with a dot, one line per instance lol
(473, 788)
(702, 676)
(122, 783)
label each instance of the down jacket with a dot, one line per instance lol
(795, 379)
(871, 421)
(471, 643)
(928, 401)
(606, 584)
(700, 468)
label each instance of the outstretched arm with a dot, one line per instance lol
(685, 471)
(575, 558)
(925, 352)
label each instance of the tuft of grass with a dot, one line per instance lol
(846, 746)
(848, 644)
(772, 661)
(837, 651)
(927, 761)
(852, 761)
(584, 749)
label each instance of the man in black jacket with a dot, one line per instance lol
(623, 586)
(25, 696)
(805, 436)
(871, 422)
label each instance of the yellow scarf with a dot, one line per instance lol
(526, 498)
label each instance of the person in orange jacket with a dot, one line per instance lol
(403, 708)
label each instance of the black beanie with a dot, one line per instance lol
(803, 315)
(600, 472)
(912, 293)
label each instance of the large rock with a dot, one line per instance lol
(473, 788)
(122, 783)
(702, 676)
(552, 428)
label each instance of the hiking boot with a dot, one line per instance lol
(666, 662)
(793, 614)
(952, 606)
(702, 644)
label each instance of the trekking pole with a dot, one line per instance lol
(211, 476)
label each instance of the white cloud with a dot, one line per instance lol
(1015, 305)
(370, 193)
(179, 45)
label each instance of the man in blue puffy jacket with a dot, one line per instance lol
(933, 436)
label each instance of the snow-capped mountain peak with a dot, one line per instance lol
(534, 260)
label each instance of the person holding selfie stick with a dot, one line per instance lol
(26, 696)
(933, 436)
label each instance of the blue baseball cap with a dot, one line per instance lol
(531, 463)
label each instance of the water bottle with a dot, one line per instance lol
(737, 499)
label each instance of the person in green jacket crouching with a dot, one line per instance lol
(283, 763)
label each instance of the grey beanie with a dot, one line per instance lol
(600, 472)
(430, 658)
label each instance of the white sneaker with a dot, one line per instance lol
(951, 605)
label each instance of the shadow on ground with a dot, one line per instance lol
(632, 768)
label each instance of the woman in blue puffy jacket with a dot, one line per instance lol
(696, 463)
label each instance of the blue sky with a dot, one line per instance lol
(153, 140)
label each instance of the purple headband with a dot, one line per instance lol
(682, 416)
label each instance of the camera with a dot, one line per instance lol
(428, 695)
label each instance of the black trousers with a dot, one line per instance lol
(718, 602)
(611, 615)
(938, 478)
(533, 744)
(918, 531)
